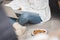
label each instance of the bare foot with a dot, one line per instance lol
(20, 30)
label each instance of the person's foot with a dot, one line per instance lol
(20, 30)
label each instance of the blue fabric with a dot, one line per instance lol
(29, 17)
(12, 21)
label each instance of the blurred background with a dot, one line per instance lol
(52, 24)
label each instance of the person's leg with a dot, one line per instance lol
(29, 17)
